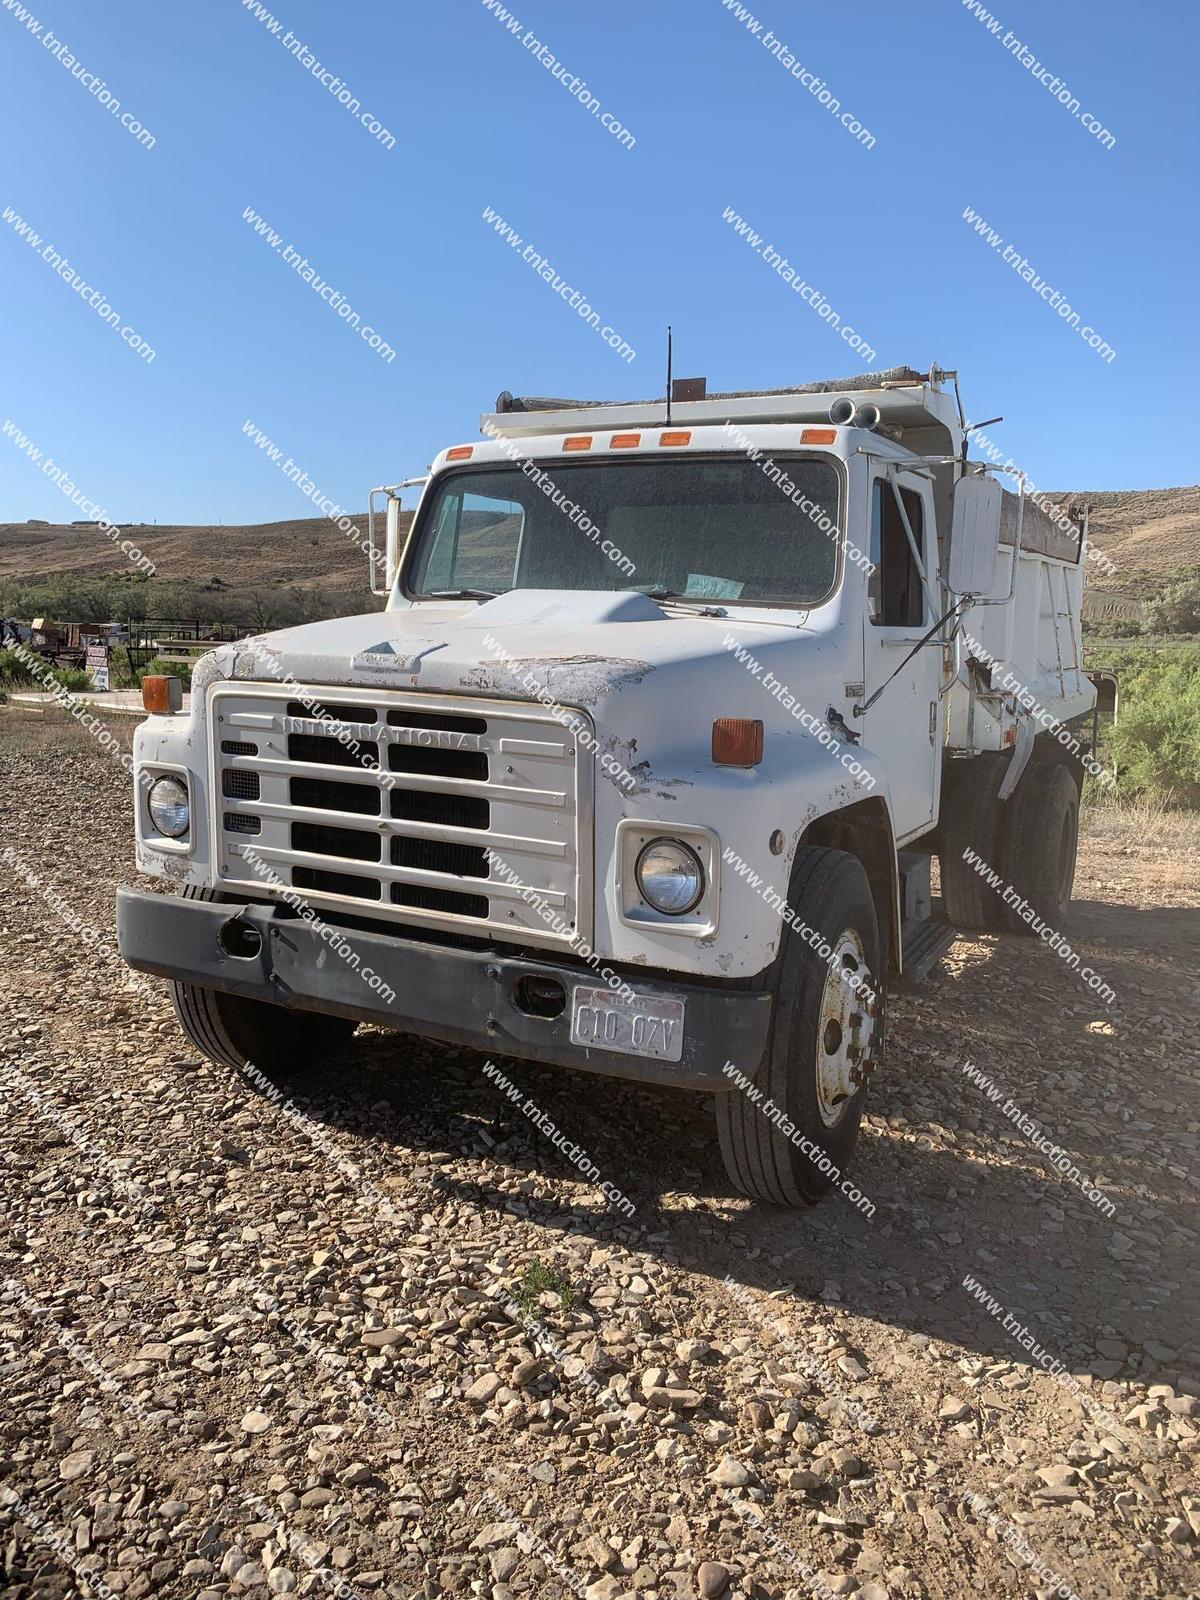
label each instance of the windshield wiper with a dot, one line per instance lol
(705, 609)
(459, 594)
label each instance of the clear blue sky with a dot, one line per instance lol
(479, 122)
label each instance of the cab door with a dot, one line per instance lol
(903, 726)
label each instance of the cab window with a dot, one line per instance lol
(895, 591)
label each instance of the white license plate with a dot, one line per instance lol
(645, 1027)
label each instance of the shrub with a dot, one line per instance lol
(538, 1279)
(1176, 608)
(15, 674)
(167, 669)
(1156, 738)
(73, 678)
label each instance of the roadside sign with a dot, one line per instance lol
(97, 665)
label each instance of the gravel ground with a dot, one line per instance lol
(381, 1338)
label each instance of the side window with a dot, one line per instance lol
(896, 597)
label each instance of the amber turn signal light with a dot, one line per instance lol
(162, 696)
(737, 742)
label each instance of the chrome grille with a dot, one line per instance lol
(387, 804)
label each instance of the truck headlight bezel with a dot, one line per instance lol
(670, 876)
(182, 803)
(632, 907)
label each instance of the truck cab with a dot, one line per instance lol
(642, 768)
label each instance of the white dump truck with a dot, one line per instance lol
(642, 767)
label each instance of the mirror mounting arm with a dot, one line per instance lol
(389, 557)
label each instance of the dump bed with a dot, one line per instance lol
(1029, 645)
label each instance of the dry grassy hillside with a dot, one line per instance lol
(310, 553)
(1153, 531)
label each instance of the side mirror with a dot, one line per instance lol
(385, 563)
(974, 535)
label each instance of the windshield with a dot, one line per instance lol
(716, 529)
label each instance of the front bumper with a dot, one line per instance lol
(463, 997)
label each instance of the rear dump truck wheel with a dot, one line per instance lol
(802, 1115)
(1040, 838)
(971, 820)
(233, 1030)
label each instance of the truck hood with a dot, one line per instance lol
(582, 648)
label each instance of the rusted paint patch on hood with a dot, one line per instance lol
(571, 680)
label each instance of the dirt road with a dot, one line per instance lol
(378, 1335)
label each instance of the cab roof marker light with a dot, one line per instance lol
(578, 441)
(675, 439)
(625, 441)
(461, 452)
(818, 436)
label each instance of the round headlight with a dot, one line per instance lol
(169, 807)
(669, 876)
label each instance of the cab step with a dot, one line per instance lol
(925, 936)
(924, 944)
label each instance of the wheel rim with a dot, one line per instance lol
(844, 1030)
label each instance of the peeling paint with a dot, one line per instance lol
(620, 750)
(649, 784)
(153, 865)
(214, 667)
(582, 680)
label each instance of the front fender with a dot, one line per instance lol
(760, 816)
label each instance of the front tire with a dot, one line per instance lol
(235, 1031)
(802, 1113)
